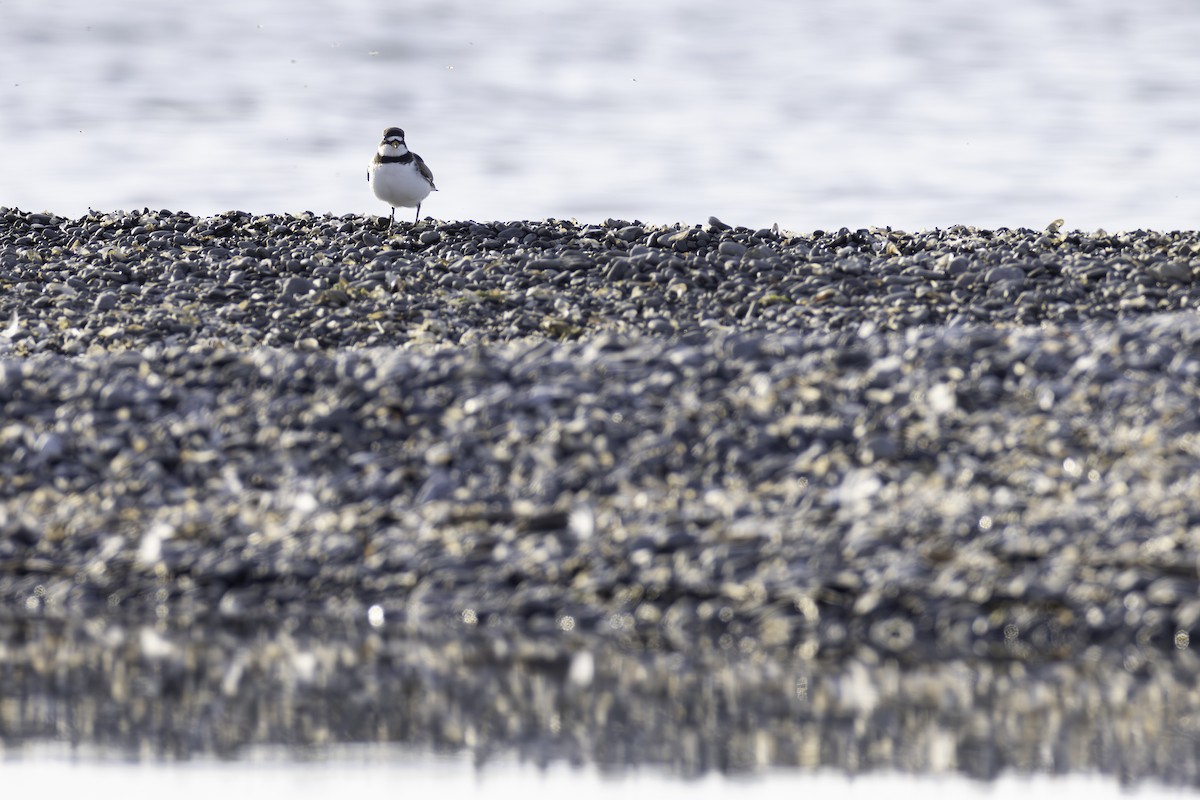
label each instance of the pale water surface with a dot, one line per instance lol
(455, 778)
(809, 114)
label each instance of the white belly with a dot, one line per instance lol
(399, 184)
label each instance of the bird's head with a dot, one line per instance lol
(393, 142)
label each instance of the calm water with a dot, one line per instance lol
(442, 777)
(809, 114)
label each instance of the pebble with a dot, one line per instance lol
(838, 448)
(731, 248)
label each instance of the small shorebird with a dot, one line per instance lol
(398, 176)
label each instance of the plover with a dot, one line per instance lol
(398, 176)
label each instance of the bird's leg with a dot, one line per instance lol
(418, 219)
(392, 219)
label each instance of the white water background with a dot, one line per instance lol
(807, 113)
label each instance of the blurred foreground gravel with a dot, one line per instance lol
(702, 497)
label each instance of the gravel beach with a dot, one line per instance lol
(696, 496)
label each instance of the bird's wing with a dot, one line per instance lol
(424, 170)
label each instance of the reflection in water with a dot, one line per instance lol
(160, 693)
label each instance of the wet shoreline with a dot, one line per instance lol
(918, 501)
